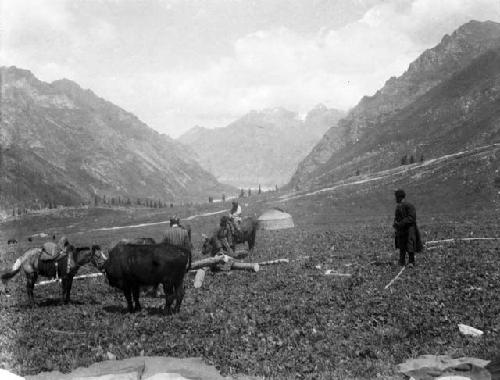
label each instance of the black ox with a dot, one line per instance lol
(132, 266)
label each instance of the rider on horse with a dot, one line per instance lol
(235, 218)
(175, 222)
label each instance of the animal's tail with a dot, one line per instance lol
(29, 254)
(8, 275)
(190, 262)
(253, 233)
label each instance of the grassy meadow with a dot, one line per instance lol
(286, 321)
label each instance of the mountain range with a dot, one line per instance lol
(63, 145)
(447, 101)
(262, 147)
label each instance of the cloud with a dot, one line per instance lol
(152, 59)
(273, 68)
(280, 67)
(49, 38)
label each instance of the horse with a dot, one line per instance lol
(248, 231)
(64, 268)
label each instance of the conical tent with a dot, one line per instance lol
(275, 219)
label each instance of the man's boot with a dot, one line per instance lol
(402, 257)
(411, 260)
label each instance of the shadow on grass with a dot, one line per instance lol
(58, 302)
(150, 311)
(115, 309)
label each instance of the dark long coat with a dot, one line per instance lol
(407, 235)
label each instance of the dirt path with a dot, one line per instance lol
(157, 223)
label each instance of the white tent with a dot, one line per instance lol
(275, 219)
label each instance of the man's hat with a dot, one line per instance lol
(400, 193)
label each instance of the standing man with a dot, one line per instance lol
(407, 235)
(178, 235)
(224, 236)
(235, 212)
(235, 218)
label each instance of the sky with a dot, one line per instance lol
(180, 63)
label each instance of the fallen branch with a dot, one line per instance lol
(277, 261)
(330, 272)
(247, 266)
(91, 275)
(219, 259)
(395, 278)
(200, 273)
(437, 246)
(200, 276)
(458, 239)
(68, 332)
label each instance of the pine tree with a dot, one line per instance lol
(422, 157)
(260, 191)
(412, 159)
(404, 160)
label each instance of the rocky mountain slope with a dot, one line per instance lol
(61, 144)
(465, 181)
(447, 100)
(261, 147)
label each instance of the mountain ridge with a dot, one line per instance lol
(82, 146)
(434, 66)
(261, 147)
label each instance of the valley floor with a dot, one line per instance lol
(286, 321)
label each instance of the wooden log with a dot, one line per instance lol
(395, 278)
(245, 266)
(330, 272)
(277, 261)
(68, 332)
(199, 277)
(210, 261)
(91, 275)
(431, 242)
